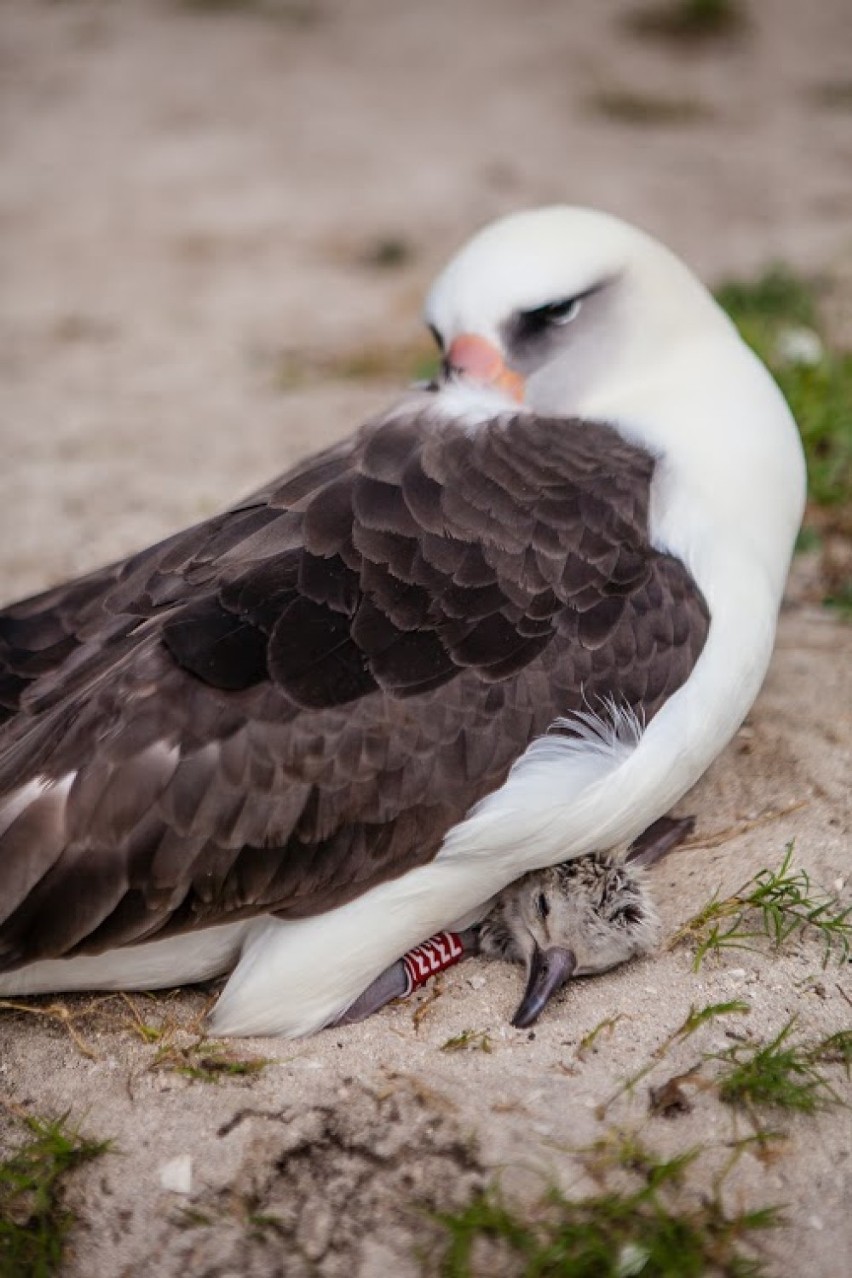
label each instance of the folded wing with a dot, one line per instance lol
(295, 700)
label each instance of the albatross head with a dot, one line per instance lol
(571, 313)
(550, 306)
(577, 919)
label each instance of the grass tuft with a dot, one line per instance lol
(835, 1050)
(820, 397)
(703, 1015)
(610, 1235)
(695, 1018)
(588, 1042)
(777, 297)
(833, 95)
(468, 1041)
(625, 1151)
(298, 13)
(775, 905)
(34, 1222)
(783, 1075)
(388, 253)
(689, 21)
(778, 316)
(628, 106)
(206, 1062)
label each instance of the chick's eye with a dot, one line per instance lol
(630, 915)
(542, 905)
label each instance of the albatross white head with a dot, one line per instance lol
(569, 312)
(549, 305)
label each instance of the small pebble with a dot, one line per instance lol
(176, 1174)
(476, 982)
(737, 973)
(815, 1222)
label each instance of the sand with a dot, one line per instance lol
(194, 204)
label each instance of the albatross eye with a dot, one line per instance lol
(558, 313)
(530, 325)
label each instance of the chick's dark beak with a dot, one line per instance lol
(548, 971)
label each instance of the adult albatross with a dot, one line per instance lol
(507, 623)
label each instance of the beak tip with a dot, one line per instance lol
(548, 972)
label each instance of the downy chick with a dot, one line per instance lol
(579, 918)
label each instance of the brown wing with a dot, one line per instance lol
(294, 701)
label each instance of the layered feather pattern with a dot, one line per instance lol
(294, 701)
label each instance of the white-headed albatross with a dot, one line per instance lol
(507, 623)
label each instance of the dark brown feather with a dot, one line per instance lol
(295, 700)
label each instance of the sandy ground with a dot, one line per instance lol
(193, 204)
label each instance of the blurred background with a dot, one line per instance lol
(219, 218)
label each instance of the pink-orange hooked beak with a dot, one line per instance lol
(482, 362)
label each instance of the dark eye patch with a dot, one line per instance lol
(530, 335)
(529, 323)
(542, 905)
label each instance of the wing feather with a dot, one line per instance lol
(295, 700)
